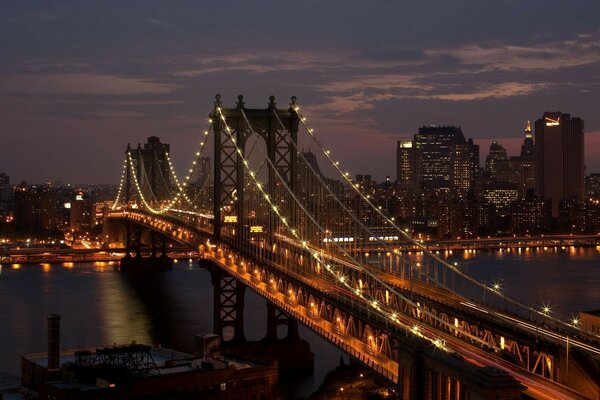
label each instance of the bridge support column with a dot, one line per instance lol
(437, 386)
(163, 248)
(132, 240)
(275, 318)
(153, 244)
(428, 395)
(228, 305)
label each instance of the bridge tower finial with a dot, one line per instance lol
(240, 102)
(272, 103)
(293, 104)
(217, 101)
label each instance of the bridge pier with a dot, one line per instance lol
(133, 243)
(275, 318)
(228, 305)
(292, 354)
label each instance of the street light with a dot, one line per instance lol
(546, 310)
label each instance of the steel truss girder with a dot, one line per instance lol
(421, 313)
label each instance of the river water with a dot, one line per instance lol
(99, 305)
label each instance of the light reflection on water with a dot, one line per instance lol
(102, 306)
(566, 278)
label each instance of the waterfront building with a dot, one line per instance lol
(457, 219)
(462, 217)
(6, 197)
(559, 169)
(530, 215)
(81, 211)
(592, 185)
(579, 215)
(37, 208)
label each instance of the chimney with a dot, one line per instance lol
(53, 341)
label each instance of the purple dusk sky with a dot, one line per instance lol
(80, 79)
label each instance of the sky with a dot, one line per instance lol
(80, 79)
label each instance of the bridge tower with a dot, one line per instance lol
(229, 170)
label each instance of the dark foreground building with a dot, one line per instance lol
(137, 371)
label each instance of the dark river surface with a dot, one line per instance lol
(99, 305)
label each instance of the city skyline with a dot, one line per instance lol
(79, 81)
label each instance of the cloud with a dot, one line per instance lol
(82, 83)
(393, 55)
(118, 114)
(505, 89)
(161, 23)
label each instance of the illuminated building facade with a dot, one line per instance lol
(530, 215)
(501, 194)
(528, 146)
(559, 156)
(517, 170)
(5, 198)
(36, 208)
(444, 158)
(592, 185)
(405, 164)
(82, 211)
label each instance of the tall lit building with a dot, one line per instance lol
(592, 185)
(5, 195)
(405, 164)
(559, 152)
(444, 159)
(528, 147)
(519, 170)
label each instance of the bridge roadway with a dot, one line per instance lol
(240, 267)
(462, 306)
(503, 243)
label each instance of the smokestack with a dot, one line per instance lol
(53, 341)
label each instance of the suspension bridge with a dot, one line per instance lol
(268, 207)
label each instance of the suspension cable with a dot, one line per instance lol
(339, 277)
(418, 244)
(118, 197)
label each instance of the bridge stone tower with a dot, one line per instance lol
(229, 170)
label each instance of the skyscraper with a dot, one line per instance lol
(559, 172)
(520, 169)
(444, 159)
(496, 155)
(528, 147)
(405, 164)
